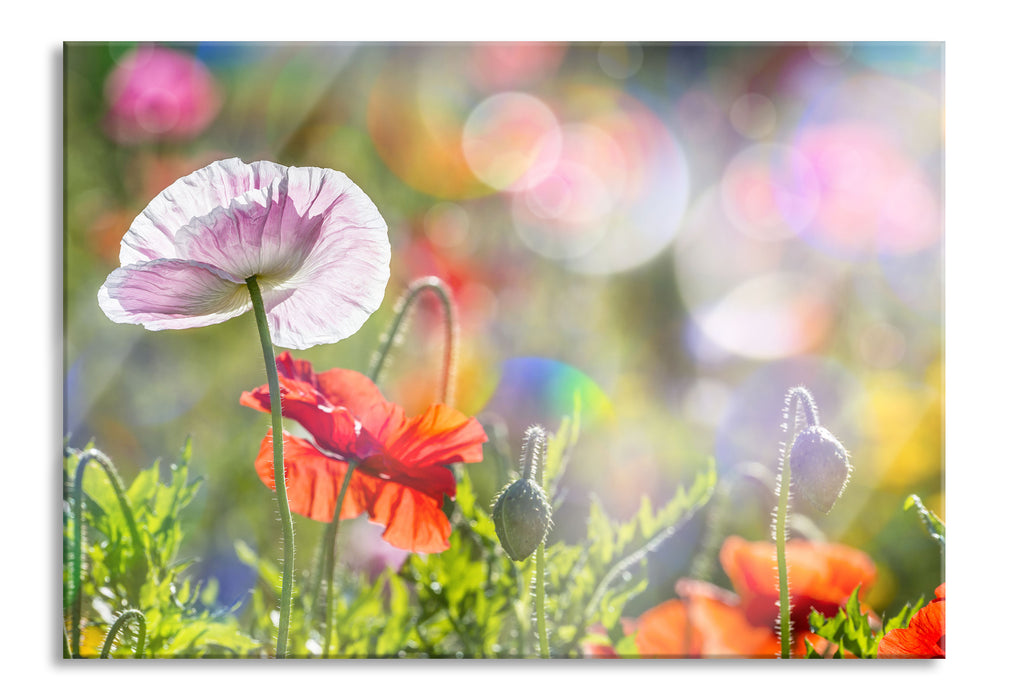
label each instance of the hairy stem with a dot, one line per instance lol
(530, 461)
(77, 560)
(441, 291)
(329, 564)
(541, 618)
(795, 398)
(279, 475)
(118, 625)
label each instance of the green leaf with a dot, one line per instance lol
(936, 527)
(561, 445)
(903, 618)
(849, 629)
(592, 583)
(119, 574)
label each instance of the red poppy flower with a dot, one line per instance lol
(401, 478)
(821, 577)
(707, 621)
(925, 636)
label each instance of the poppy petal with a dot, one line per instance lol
(413, 520)
(821, 576)
(152, 234)
(360, 395)
(172, 294)
(440, 435)
(313, 479)
(665, 630)
(333, 429)
(924, 637)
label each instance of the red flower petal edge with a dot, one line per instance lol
(925, 636)
(402, 475)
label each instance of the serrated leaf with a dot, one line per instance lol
(850, 629)
(903, 618)
(936, 527)
(560, 446)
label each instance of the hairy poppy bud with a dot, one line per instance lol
(820, 466)
(521, 518)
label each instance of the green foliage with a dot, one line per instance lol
(470, 601)
(475, 601)
(852, 631)
(146, 576)
(590, 584)
(936, 527)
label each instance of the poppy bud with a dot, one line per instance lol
(820, 466)
(521, 518)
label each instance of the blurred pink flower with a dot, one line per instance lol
(156, 93)
(315, 242)
(366, 551)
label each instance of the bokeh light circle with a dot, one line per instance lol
(541, 390)
(748, 296)
(753, 115)
(618, 192)
(756, 199)
(871, 197)
(511, 141)
(620, 61)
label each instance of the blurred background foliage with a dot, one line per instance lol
(675, 233)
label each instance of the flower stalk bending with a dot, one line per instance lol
(816, 463)
(403, 306)
(522, 517)
(794, 397)
(441, 291)
(118, 625)
(280, 478)
(76, 562)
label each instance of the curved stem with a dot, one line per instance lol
(76, 563)
(118, 625)
(441, 291)
(67, 653)
(796, 397)
(332, 529)
(279, 475)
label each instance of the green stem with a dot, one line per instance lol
(118, 625)
(279, 475)
(441, 291)
(784, 604)
(332, 529)
(541, 618)
(539, 444)
(76, 563)
(793, 399)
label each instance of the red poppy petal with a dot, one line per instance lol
(924, 638)
(357, 393)
(441, 435)
(333, 428)
(313, 479)
(596, 650)
(821, 576)
(413, 520)
(665, 630)
(727, 633)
